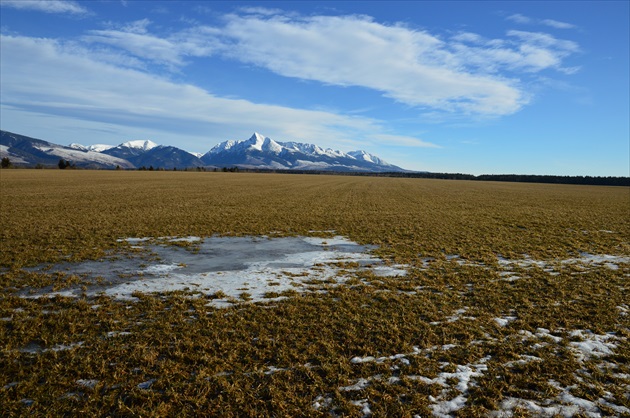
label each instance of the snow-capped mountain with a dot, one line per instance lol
(23, 150)
(139, 144)
(261, 152)
(130, 149)
(257, 152)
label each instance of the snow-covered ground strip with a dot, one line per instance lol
(442, 406)
(457, 382)
(246, 268)
(564, 405)
(507, 266)
(585, 259)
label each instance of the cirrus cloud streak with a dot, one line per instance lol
(46, 6)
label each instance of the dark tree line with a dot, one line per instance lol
(517, 178)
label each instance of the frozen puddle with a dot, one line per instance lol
(242, 268)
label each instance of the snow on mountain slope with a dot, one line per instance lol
(80, 157)
(361, 155)
(311, 149)
(223, 146)
(256, 141)
(80, 147)
(366, 156)
(139, 144)
(15, 158)
(95, 147)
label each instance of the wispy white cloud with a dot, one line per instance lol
(402, 140)
(519, 18)
(557, 24)
(46, 6)
(135, 38)
(410, 66)
(139, 44)
(466, 74)
(520, 51)
(49, 77)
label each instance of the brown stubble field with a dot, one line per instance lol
(455, 336)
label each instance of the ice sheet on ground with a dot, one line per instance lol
(248, 267)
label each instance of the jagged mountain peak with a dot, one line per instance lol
(260, 151)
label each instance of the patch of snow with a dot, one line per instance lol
(504, 320)
(364, 405)
(112, 334)
(458, 315)
(370, 359)
(545, 333)
(87, 383)
(321, 402)
(390, 271)
(523, 360)
(359, 385)
(592, 345)
(464, 374)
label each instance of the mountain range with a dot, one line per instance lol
(257, 152)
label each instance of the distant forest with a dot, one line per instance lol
(518, 178)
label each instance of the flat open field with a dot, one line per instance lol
(356, 296)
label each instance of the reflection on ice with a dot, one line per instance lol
(237, 267)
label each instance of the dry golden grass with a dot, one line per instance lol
(173, 355)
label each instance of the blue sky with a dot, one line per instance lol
(473, 87)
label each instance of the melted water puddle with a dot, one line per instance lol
(241, 268)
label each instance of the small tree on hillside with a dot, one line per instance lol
(6, 163)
